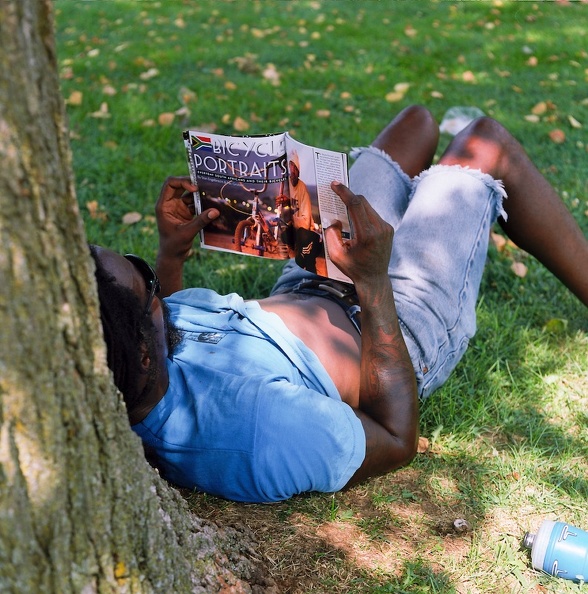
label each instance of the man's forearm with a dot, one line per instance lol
(170, 271)
(388, 393)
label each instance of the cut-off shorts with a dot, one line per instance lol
(441, 222)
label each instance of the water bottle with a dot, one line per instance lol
(559, 549)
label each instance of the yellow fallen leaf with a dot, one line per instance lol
(498, 240)
(75, 98)
(131, 218)
(166, 119)
(532, 118)
(109, 90)
(240, 124)
(230, 85)
(323, 113)
(519, 269)
(102, 113)
(95, 211)
(574, 122)
(402, 87)
(558, 136)
(468, 76)
(394, 96)
(540, 108)
(423, 446)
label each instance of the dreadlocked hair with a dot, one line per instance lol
(125, 329)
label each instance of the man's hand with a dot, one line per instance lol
(178, 226)
(366, 256)
(176, 220)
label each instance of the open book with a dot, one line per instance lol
(273, 193)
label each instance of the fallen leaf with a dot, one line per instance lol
(183, 111)
(95, 211)
(148, 74)
(240, 124)
(323, 113)
(410, 31)
(109, 90)
(574, 122)
(532, 61)
(558, 136)
(247, 63)
(75, 98)
(468, 76)
(423, 446)
(556, 326)
(186, 95)
(498, 240)
(394, 96)
(271, 74)
(102, 113)
(402, 87)
(532, 118)
(166, 119)
(131, 218)
(519, 269)
(540, 108)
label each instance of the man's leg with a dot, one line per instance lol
(383, 171)
(538, 220)
(411, 139)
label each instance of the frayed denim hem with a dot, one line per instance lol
(495, 185)
(356, 151)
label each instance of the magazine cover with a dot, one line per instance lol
(273, 193)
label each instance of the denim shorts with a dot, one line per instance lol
(441, 221)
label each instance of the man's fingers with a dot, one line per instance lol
(199, 222)
(357, 206)
(334, 240)
(174, 187)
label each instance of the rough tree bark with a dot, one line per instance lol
(80, 510)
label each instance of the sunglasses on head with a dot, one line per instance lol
(151, 281)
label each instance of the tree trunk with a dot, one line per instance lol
(80, 510)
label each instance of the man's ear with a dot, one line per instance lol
(145, 358)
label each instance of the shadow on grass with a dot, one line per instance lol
(505, 442)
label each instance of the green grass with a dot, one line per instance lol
(509, 431)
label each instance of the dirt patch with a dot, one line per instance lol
(354, 540)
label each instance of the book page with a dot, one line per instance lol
(245, 178)
(315, 206)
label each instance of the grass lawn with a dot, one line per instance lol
(508, 434)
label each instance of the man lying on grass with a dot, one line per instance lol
(260, 400)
